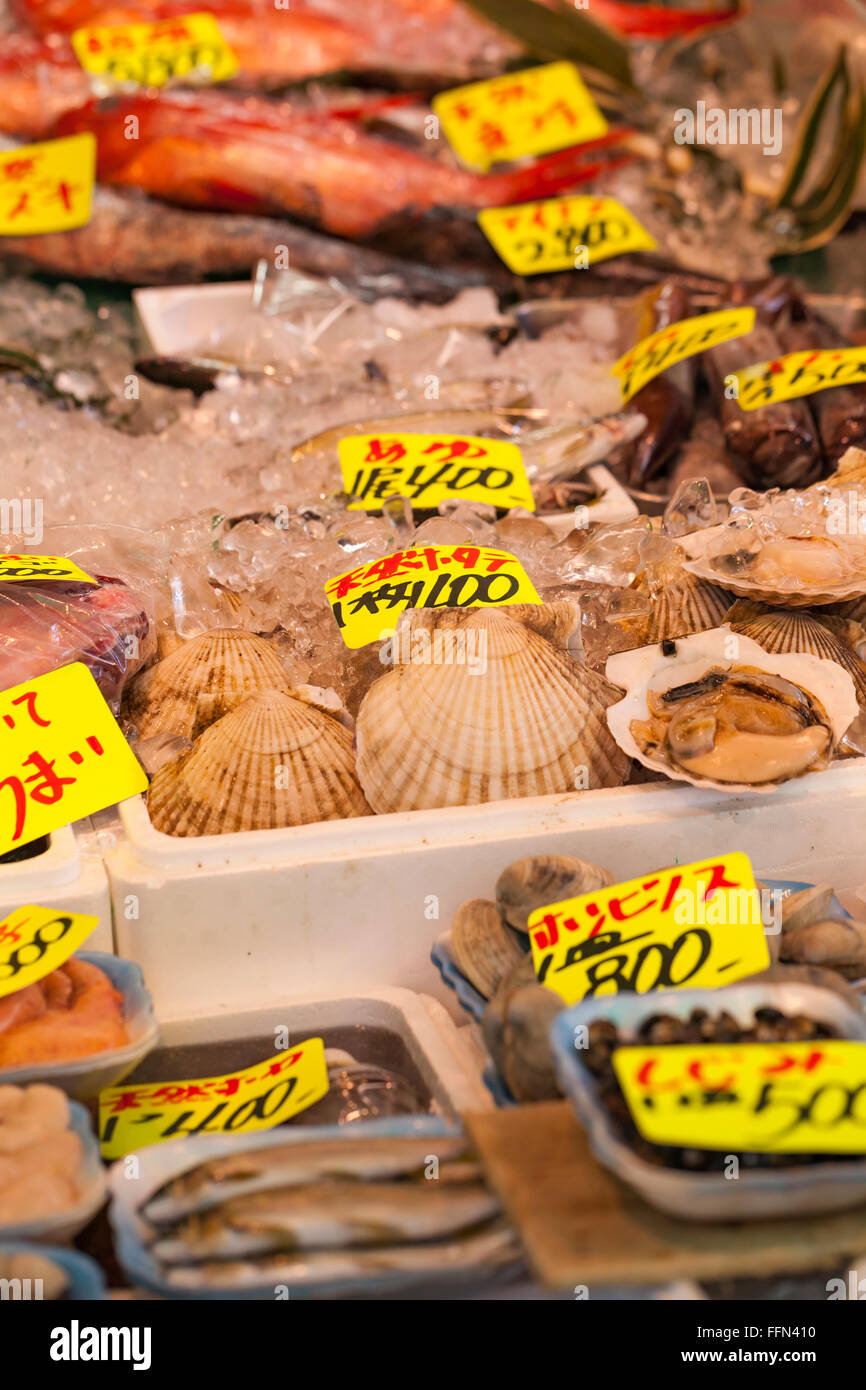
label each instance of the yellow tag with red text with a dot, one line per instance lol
(653, 355)
(367, 601)
(133, 1117)
(785, 1097)
(24, 569)
(567, 233)
(47, 187)
(799, 374)
(696, 925)
(36, 940)
(427, 468)
(533, 111)
(189, 47)
(62, 755)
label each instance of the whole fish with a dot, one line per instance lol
(286, 1165)
(217, 150)
(483, 1252)
(276, 45)
(328, 1214)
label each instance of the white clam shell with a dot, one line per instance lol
(647, 668)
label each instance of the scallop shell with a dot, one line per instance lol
(273, 761)
(699, 547)
(679, 606)
(791, 630)
(530, 722)
(650, 668)
(541, 879)
(484, 948)
(201, 681)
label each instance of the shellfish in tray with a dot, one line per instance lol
(523, 718)
(793, 630)
(201, 681)
(791, 571)
(276, 760)
(717, 710)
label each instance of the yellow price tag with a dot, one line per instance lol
(533, 111)
(63, 755)
(134, 1117)
(695, 925)
(367, 601)
(47, 187)
(786, 1097)
(23, 569)
(190, 45)
(36, 940)
(427, 468)
(799, 374)
(562, 233)
(668, 346)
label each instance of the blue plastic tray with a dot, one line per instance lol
(86, 1281)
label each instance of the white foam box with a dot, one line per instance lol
(69, 875)
(240, 920)
(448, 1065)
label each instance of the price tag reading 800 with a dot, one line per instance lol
(36, 940)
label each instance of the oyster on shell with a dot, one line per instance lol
(742, 722)
(794, 571)
(524, 719)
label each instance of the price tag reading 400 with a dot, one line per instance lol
(62, 755)
(153, 54)
(267, 1094)
(36, 940)
(786, 1097)
(427, 468)
(367, 601)
(696, 924)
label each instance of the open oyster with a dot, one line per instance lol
(795, 571)
(717, 710)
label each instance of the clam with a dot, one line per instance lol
(792, 630)
(522, 718)
(201, 681)
(516, 1028)
(810, 905)
(484, 948)
(791, 571)
(273, 761)
(541, 879)
(717, 710)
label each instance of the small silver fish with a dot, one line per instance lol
(329, 1215)
(480, 1253)
(287, 1165)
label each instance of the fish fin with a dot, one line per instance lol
(555, 172)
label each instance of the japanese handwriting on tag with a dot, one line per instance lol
(36, 940)
(530, 112)
(427, 468)
(653, 355)
(799, 374)
(542, 237)
(367, 601)
(696, 924)
(786, 1097)
(259, 1097)
(47, 187)
(189, 46)
(22, 569)
(62, 755)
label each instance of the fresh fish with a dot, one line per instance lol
(217, 150)
(488, 1250)
(328, 1214)
(40, 79)
(287, 1165)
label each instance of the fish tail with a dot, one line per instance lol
(553, 172)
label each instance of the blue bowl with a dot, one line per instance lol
(86, 1281)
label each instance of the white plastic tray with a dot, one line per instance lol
(70, 874)
(239, 921)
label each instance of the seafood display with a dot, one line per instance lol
(73, 1012)
(25, 1267)
(40, 1156)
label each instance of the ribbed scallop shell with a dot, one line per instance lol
(201, 681)
(702, 562)
(274, 761)
(792, 630)
(679, 606)
(445, 734)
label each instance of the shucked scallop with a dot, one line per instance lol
(521, 718)
(275, 761)
(717, 710)
(204, 679)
